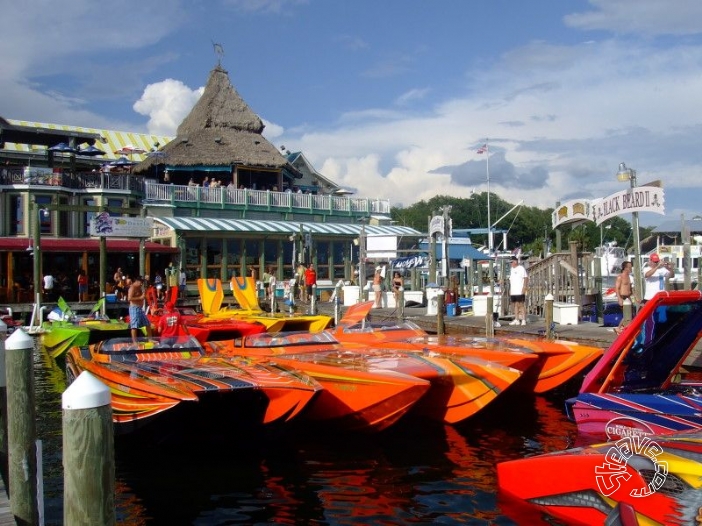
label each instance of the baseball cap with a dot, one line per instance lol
(654, 258)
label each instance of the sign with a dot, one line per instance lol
(409, 262)
(577, 210)
(436, 225)
(639, 199)
(105, 225)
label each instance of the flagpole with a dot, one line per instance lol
(487, 167)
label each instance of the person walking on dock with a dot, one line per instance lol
(518, 280)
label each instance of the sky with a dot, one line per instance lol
(393, 98)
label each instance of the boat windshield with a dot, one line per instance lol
(267, 339)
(183, 343)
(366, 326)
(665, 338)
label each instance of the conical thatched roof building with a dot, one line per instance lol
(221, 134)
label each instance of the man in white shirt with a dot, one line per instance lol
(655, 272)
(518, 280)
(49, 286)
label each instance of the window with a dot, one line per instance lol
(16, 215)
(45, 225)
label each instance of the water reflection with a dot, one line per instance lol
(416, 473)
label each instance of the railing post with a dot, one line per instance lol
(88, 453)
(440, 328)
(548, 312)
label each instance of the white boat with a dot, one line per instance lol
(611, 258)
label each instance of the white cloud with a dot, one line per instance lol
(166, 103)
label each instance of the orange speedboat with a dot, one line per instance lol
(546, 364)
(459, 386)
(166, 376)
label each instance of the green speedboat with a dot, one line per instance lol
(59, 336)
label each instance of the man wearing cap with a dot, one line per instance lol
(655, 272)
(518, 279)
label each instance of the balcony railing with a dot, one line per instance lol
(226, 197)
(11, 176)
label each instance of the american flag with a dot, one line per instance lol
(483, 149)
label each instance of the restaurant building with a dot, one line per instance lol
(267, 208)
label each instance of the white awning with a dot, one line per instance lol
(202, 224)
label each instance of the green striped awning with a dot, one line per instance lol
(207, 224)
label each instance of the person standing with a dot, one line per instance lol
(310, 281)
(655, 272)
(623, 288)
(272, 285)
(48, 286)
(137, 316)
(518, 280)
(82, 285)
(397, 285)
(377, 288)
(183, 283)
(169, 323)
(300, 282)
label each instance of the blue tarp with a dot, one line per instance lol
(458, 251)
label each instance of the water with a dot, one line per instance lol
(419, 472)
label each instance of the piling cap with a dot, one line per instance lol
(86, 392)
(19, 340)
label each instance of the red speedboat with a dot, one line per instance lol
(634, 481)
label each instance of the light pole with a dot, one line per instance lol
(362, 260)
(629, 174)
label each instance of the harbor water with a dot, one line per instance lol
(418, 472)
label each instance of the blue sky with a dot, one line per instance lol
(392, 98)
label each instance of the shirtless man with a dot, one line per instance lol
(623, 289)
(137, 316)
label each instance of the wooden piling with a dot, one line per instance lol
(489, 316)
(21, 428)
(627, 311)
(548, 315)
(3, 402)
(88, 453)
(440, 327)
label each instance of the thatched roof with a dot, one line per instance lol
(220, 130)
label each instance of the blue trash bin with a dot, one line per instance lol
(450, 309)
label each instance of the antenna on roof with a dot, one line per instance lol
(219, 51)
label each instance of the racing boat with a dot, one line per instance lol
(633, 481)
(459, 386)
(640, 386)
(244, 290)
(159, 377)
(546, 364)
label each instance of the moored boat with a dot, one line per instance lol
(546, 364)
(459, 386)
(245, 293)
(640, 386)
(155, 377)
(59, 336)
(636, 480)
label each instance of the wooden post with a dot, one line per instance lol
(577, 279)
(21, 428)
(88, 453)
(548, 301)
(599, 304)
(440, 328)
(489, 316)
(400, 307)
(337, 302)
(627, 310)
(3, 402)
(313, 301)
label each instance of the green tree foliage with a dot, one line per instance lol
(528, 227)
